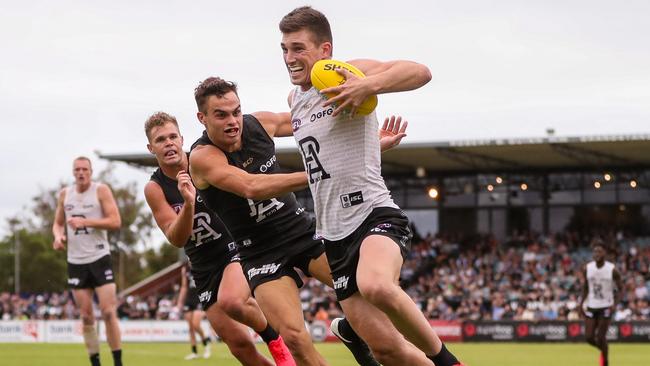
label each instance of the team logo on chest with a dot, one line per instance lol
(310, 148)
(202, 230)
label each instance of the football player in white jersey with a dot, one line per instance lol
(601, 293)
(84, 212)
(366, 235)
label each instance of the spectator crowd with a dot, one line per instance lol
(526, 277)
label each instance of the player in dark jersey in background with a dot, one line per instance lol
(601, 293)
(234, 167)
(84, 212)
(188, 300)
(188, 224)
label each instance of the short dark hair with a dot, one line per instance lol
(156, 120)
(212, 86)
(598, 242)
(306, 17)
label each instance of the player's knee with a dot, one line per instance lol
(233, 306)
(379, 294)
(108, 314)
(387, 354)
(295, 338)
(87, 318)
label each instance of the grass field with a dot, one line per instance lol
(168, 354)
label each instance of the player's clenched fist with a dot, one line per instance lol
(59, 243)
(186, 187)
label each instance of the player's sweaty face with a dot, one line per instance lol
(223, 119)
(300, 53)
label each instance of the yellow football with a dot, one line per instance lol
(323, 75)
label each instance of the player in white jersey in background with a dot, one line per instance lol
(366, 234)
(84, 212)
(601, 292)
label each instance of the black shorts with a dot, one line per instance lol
(91, 275)
(598, 313)
(343, 255)
(191, 300)
(208, 282)
(282, 261)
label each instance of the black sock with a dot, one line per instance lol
(117, 357)
(268, 334)
(194, 349)
(94, 359)
(444, 358)
(205, 341)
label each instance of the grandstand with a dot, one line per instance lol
(504, 185)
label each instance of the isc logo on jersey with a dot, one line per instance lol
(351, 199)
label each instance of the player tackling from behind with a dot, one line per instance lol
(235, 170)
(188, 223)
(366, 234)
(601, 293)
(84, 212)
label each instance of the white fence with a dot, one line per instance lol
(70, 331)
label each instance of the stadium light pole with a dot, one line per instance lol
(13, 225)
(17, 263)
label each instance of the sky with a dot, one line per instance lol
(77, 77)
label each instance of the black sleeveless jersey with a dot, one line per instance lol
(256, 226)
(210, 242)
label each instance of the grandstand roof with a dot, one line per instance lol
(588, 153)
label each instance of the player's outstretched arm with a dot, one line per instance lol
(58, 228)
(176, 227)
(209, 167)
(275, 124)
(392, 132)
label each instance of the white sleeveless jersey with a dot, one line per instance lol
(601, 285)
(85, 245)
(342, 158)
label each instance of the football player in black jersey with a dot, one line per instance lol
(234, 168)
(188, 224)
